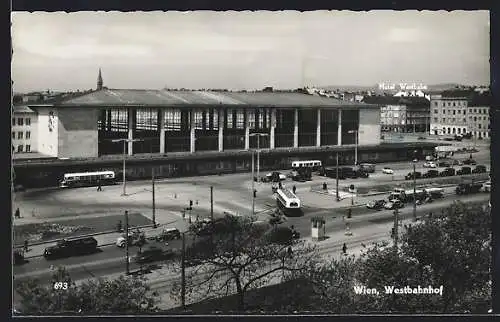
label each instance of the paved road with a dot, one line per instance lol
(111, 259)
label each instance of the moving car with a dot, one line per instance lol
(394, 204)
(376, 204)
(387, 170)
(448, 172)
(479, 169)
(153, 254)
(464, 171)
(430, 164)
(169, 234)
(275, 176)
(487, 186)
(367, 167)
(413, 175)
(134, 239)
(431, 174)
(67, 248)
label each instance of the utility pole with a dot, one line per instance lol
(337, 182)
(396, 228)
(183, 273)
(212, 203)
(414, 186)
(127, 264)
(258, 135)
(125, 141)
(253, 185)
(153, 191)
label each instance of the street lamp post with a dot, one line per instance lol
(258, 135)
(414, 186)
(253, 185)
(125, 141)
(355, 132)
(153, 195)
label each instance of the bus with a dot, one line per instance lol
(288, 203)
(88, 179)
(345, 172)
(315, 165)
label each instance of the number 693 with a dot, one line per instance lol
(60, 286)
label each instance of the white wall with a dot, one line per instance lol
(47, 140)
(369, 126)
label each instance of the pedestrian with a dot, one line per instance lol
(324, 186)
(99, 187)
(349, 213)
(26, 245)
(17, 213)
(294, 189)
(280, 185)
(344, 249)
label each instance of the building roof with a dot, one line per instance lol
(22, 109)
(395, 100)
(139, 97)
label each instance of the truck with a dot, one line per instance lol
(407, 195)
(468, 188)
(444, 151)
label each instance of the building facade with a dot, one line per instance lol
(402, 114)
(478, 121)
(93, 124)
(459, 115)
(24, 130)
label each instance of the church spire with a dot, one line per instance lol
(99, 81)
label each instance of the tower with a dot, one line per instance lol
(99, 81)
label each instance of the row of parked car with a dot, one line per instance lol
(448, 172)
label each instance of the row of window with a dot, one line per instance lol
(462, 131)
(452, 120)
(459, 103)
(480, 111)
(20, 135)
(20, 148)
(21, 121)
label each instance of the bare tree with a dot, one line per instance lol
(241, 256)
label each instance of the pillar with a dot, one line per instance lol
(161, 129)
(131, 126)
(247, 131)
(318, 128)
(339, 129)
(296, 129)
(192, 129)
(221, 129)
(273, 129)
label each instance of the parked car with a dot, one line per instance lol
(464, 171)
(387, 170)
(448, 172)
(413, 175)
(394, 204)
(134, 239)
(169, 234)
(430, 164)
(421, 138)
(479, 169)
(431, 174)
(68, 248)
(470, 161)
(376, 204)
(487, 186)
(153, 254)
(448, 139)
(430, 158)
(445, 164)
(456, 162)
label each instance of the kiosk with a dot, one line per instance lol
(318, 228)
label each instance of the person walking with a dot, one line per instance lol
(99, 187)
(26, 248)
(17, 214)
(294, 189)
(344, 249)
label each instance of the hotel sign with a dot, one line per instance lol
(402, 86)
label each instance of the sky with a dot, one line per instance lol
(247, 50)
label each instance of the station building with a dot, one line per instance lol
(182, 133)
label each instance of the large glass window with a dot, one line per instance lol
(240, 119)
(147, 119)
(198, 119)
(251, 119)
(20, 121)
(28, 121)
(173, 120)
(19, 135)
(28, 134)
(229, 118)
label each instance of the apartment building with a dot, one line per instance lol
(24, 130)
(449, 115)
(460, 115)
